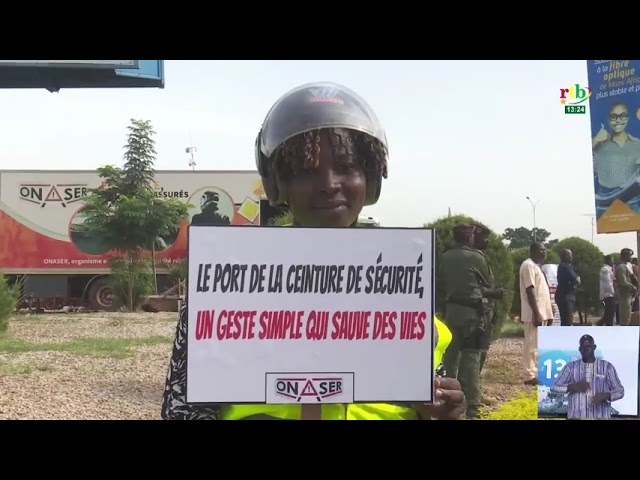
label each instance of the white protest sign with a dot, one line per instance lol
(310, 315)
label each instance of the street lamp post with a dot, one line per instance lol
(535, 230)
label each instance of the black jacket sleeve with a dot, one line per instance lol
(174, 405)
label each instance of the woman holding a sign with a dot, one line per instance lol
(322, 152)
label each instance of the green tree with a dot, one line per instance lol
(519, 256)
(128, 217)
(522, 237)
(498, 257)
(615, 256)
(587, 259)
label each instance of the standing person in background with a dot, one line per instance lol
(491, 296)
(465, 274)
(634, 279)
(568, 282)
(615, 291)
(536, 309)
(624, 285)
(607, 292)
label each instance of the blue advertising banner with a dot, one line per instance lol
(614, 104)
(71, 63)
(57, 74)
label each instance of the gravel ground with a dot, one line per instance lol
(77, 384)
(502, 372)
(64, 385)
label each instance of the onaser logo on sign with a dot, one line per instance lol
(62, 194)
(310, 388)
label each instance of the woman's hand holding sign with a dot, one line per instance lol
(449, 405)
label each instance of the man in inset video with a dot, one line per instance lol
(590, 383)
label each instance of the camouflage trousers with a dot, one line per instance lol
(624, 302)
(465, 357)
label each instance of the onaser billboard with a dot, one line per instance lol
(615, 140)
(41, 215)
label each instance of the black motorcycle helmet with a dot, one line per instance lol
(309, 107)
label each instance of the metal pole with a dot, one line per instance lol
(535, 230)
(535, 227)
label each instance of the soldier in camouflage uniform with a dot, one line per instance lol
(467, 279)
(491, 295)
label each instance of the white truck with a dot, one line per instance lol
(41, 239)
(368, 222)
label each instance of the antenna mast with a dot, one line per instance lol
(593, 224)
(190, 150)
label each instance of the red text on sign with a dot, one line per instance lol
(412, 325)
(350, 325)
(317, 325)
(280, 325)
(314, 325)
(236, 324)
(384, 327)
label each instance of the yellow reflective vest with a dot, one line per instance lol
(357, 411)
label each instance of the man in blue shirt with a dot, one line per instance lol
(568, 282)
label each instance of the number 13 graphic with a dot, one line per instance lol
(550, 364)
(559, 365)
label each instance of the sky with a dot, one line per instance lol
(477, 137)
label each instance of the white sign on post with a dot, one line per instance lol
(310, 315)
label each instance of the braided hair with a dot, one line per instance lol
(302, 152)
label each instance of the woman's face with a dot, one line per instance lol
(332, 194)
(618, 118)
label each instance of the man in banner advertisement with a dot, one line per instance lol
(322, 151)
(590, 383)
(209, 211)
(615, 127)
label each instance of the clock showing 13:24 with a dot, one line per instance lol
(551, 363)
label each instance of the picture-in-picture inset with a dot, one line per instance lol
(588, 372)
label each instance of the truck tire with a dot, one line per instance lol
(101, 297)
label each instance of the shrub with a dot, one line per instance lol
(9, 297)
(519, 256)
(285, 218)
(588, 260)
(498, 257)
(137, 275)
(523, 407)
